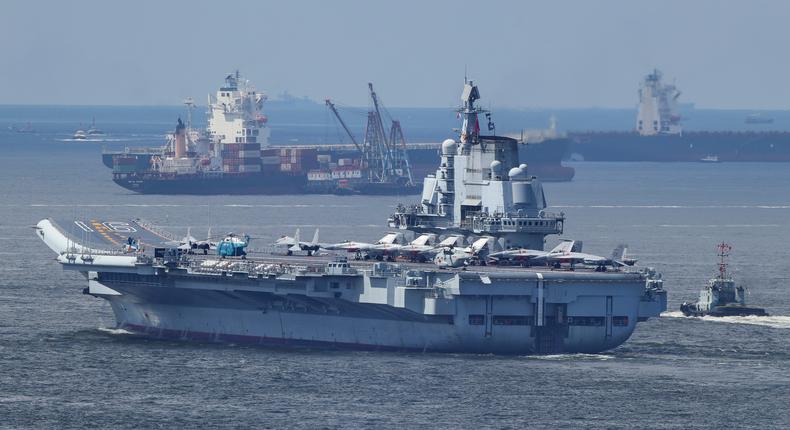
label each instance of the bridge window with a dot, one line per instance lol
(477, 319)
(586, 321)
(511, 320)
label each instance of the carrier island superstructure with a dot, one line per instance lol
(480, 189)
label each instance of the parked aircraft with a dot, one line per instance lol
(420, 249)
(527, 257)
(294, 244)
(451, 256)
(192, 245)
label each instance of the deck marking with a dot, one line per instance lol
(84, 227)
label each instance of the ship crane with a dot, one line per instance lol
(332, 107)
(391, 162)
(383, 154)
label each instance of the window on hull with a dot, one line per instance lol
(477, 319)
(620, 321)
(586, 321)
(511, 320)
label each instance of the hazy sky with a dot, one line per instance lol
(723, 54)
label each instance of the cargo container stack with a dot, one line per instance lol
(270, 161)
(244, 156)
(297, 161)
(125, 164)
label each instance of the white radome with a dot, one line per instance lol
(448, 147)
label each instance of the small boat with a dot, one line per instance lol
(758, 118)
(79, 135)
(710, 159)
(721, 297)
(93, 131)
(27, 128)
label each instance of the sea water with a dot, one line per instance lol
(64, 365)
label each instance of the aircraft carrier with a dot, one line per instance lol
(480, 189)
(658, 135)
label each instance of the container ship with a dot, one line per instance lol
(480, 190)
(659, 135)
(232, 156)
(544, 155)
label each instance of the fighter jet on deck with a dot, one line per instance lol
(294, 244)
(527, 257)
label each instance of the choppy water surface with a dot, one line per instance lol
(63, 365)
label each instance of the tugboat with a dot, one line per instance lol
(721, 298)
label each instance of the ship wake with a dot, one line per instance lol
(115, 331)
(775, 321)
(572, 357)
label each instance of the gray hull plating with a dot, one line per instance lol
(501, 321)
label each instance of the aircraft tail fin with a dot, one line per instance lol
(423, 239)
(565, 246)
(480, 244)
(619, 252)
(451, 241)
(295, 246)
(388, 239)
(315, 238)
(188, 239)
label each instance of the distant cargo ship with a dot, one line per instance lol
(232, 156)
(226, 158)
(544, 157)
(659, 136)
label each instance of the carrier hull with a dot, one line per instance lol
(318, 302)
(215, 313)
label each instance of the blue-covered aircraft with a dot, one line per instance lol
(233, 246)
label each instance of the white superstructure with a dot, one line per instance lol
(236, 133)
(481, 188)
(236, 125)
(657, 110)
